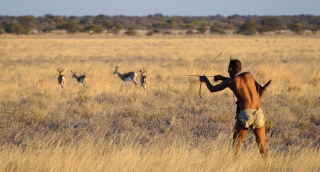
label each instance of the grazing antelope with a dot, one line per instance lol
(130, 76)
(144, 80)
(81, 79)
(61, 78)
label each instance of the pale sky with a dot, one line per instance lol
(165, 7)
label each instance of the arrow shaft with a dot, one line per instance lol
(198, 75)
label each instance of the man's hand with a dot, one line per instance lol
(203, 79)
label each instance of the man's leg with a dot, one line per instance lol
(260, 134)
(239, 133)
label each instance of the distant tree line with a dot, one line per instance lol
(158, 23)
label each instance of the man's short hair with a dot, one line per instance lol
(235, 64)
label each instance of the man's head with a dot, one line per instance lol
(234, 67)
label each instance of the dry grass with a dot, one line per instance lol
(169, 128)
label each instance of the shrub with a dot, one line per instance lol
(271, 23)
(27, 22)
(131, 32)
(115, 31)
(216, 30)
(99, 29)
(93, 28)
(150, 33)
(167, 32)
(189, 32)
(248, 28)
(314, 30)
(47, 30)
(71, 27)
(108, 25)
(14, 28)
(296, 28)
(89, 28)
(118, 26)
(189, 26)
(202, 30)
(156, 31)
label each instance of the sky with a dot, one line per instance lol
(165, 7)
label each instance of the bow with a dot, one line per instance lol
(205, 73)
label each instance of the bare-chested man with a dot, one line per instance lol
(250, 112)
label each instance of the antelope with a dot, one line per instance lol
(81, 79)
(144, 80)
(130, 76)
(61, 78)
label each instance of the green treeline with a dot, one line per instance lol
(158, 23)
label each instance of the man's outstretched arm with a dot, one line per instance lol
(215, 88)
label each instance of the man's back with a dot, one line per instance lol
(244, 88)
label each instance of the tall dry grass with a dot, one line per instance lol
(169, 128)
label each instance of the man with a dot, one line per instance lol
(250, 113)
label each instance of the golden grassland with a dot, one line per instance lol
(168, 128)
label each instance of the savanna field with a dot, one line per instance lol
(168, 128)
